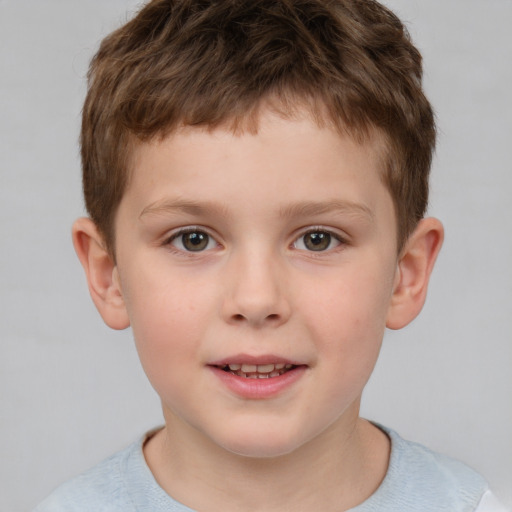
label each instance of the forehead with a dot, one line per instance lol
(283, 160)
(265, 114)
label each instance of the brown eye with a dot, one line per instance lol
(192, 241)
(195, 241)
(317, 241)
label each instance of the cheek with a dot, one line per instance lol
(348, 339)
(347, 316)
(168, 319)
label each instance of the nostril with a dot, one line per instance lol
(273, 317)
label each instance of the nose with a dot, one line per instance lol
(257, 293)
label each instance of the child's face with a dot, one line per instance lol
(276, 248)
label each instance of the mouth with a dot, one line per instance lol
(257, 371)
(258, 377)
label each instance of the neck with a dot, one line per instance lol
(336, 471)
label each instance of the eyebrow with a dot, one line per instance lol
(334, 206)
(299, 209)
(194, 208)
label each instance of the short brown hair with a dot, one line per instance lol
(212, 62)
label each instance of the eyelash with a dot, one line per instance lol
(181, 233)
(209, 239)
(322, 231)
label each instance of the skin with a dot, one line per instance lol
(260, 288)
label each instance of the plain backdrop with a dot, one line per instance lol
(72, 391)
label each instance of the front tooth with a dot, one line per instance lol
(279, 366)
(265, 368)
(248, 368)
(235, 367)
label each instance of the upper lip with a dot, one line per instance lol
(254, 360)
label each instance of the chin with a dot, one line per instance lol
(262, 443)
(261, 451)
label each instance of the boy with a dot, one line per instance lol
(256, 175)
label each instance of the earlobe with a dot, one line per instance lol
(101, 273)
(413, 273)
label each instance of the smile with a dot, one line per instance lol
(260, 371)
(258, 378)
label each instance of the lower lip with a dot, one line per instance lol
(259, 389)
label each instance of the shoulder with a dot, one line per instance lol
(101, 488)
(419, 479)
(435, 470)
(121, 483)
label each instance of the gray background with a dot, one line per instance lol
(72, 391)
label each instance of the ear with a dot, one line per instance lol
(101, 273)
(414, 267)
